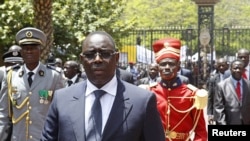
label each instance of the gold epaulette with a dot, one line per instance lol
(200, 96)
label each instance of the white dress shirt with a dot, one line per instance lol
(106, 100)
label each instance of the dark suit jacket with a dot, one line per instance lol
(188, 74)
(228, 110)
(212, 82)
(133, 117)
(125, 75)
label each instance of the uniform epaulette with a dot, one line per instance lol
(57, 69)
(192, 87)
(153, 84)
(14, 67)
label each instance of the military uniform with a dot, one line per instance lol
(175, 102)
(180, 105)
(26, 105)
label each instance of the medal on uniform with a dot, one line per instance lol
(41, 100)
(46, 94)
(42, 94)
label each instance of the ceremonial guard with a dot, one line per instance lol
(27, 90)
(180, 105)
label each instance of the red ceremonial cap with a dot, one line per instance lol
(167, 48)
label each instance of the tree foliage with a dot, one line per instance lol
(74, 19)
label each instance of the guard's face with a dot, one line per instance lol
(99, 59)
(237, 69)
(30, 53)
(168, 68)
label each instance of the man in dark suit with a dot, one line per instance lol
(231, 105)
(125, 75)
(223, 73)
(72, 72)
(187, 73)
(244, 54)
(153, 74)
(127, 113)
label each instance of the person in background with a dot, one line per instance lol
(180, 105)
(132, 69)
(12, 56)
(223, 73)
(58, 62)
(153, 75)
(232, 99)
(243, 54)
(27, 90)
(110, 109)
(187, 73)
(72, 72)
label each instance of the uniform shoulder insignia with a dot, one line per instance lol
(14, 67)
(57, 69)
(153, 84)
(192, 87)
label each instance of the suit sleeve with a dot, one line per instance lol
(219, 109)
(5, 122)
(50, 130)
(153, 130)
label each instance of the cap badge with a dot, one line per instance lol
(15, 53)
(166, 45)
(29, 34)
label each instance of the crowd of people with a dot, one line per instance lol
(96, 100)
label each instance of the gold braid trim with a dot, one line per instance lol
(20, 117)
(9, 75)
(22, 104)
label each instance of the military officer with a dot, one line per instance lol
(27, 90)
(180, 105)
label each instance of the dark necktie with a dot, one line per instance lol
(238, 90)
(30, 77)
(69, 82)
(95, 127)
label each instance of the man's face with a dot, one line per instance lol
(69, 70)
(222, 66)
(168, 68)
(99, 59)
(153, 70)
(244, 56)
(237, 69)
(30, 53)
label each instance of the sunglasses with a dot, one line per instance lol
(103, 54)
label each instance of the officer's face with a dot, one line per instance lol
(30, 53)
(99, 59)
(168, 68)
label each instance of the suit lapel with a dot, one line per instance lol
(119, 112)
(245, 90)
(232, 88)
(78, 118)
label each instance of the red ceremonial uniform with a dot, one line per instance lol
(180, 118)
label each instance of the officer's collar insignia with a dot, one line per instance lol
(172, 84)
(21, 73)
(41, 73)
(29, 34)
